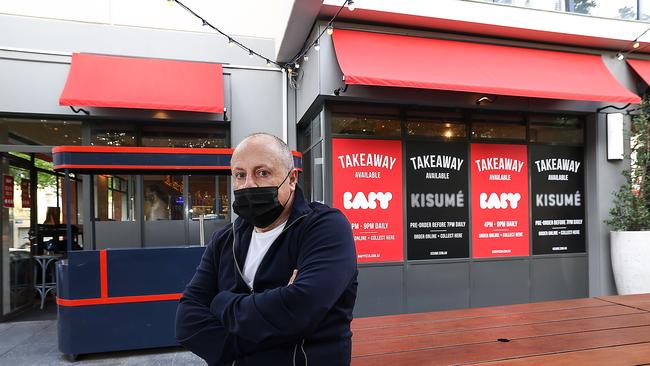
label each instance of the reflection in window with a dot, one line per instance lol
(208, 196)
(622, 9)
(167, 136)
(113, 138)
(114, 197)
(556, 129)
(317, 171)
(557, 5)
(447, 125)
(498, 126)
(365, 125)
(46, 132)
(163, 197)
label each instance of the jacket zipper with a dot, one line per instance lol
(235, 257)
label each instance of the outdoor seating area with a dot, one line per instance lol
(610, 330)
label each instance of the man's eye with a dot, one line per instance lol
(263, 173)
(239, 175)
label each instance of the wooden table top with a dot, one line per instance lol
(608, 331)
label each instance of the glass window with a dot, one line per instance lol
(436, 124)
(163, 197)
(557, 5)
(305, 177)
(366, 125)
(199, 137)
(114, 197)
(644, 10)
(556, 129)
(208, 196)
(498, 126)
(317, 163)
(622, 9)
(315, 130)
(108, 137)
(42, 131)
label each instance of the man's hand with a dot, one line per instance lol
(293, 277)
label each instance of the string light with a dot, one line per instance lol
(636, 46)
(294, 61)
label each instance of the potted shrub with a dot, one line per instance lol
(630, 216)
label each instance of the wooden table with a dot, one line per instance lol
(612, 330)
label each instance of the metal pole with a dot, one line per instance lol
(202, 229)
(68, 221)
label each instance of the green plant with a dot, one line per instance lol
(631, 210)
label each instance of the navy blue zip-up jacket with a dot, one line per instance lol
(222, 320)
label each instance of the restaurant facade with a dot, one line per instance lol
(472, 165)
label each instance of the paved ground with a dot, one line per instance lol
(27, 342)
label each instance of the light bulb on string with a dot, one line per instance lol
(250, 53)
(305, 58)
(268, 63)
(636, 45)
(297, 65)
(351, 6)
(330, 29)
(317, 46)
(620, 56)
(170, 3)
(231, 43)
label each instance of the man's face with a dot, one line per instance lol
(256, 163)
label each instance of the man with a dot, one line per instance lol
(277, 287)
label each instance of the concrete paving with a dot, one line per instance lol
(32, 343)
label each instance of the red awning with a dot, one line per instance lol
(146, 83)
(642, 68)
(403, 61)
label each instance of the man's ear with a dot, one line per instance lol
(293, 178)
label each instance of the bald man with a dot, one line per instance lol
(277, 287)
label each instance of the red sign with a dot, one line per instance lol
(499, 200)
(367, 185)
(24, 193)
(7, 191)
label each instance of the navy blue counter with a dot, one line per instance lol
(121, 299)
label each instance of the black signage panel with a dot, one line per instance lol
(437, 200)
(558, 202)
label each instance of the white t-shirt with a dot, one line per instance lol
(260, 244)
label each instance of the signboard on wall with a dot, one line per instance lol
(499, 200)
(7, 191)
(367, 188)
(557, 189)
(437, 200)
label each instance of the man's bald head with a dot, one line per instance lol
(281, 149)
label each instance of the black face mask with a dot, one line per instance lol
(259, 205)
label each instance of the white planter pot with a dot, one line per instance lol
(631, 261)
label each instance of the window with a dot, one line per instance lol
(556, 129)
(199, 137)
(42, 132)
(498, 127)
(366, 125)
(208, 196)
(445, 125)
(114, 197)
(163, 197)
